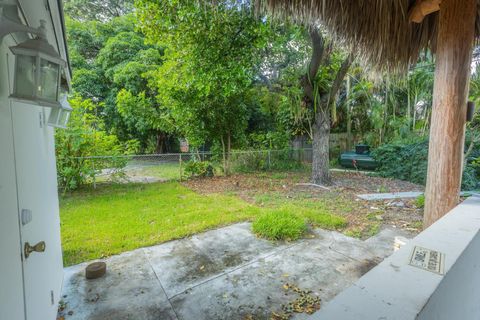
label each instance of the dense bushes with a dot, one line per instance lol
(85, 139)
(198, 169)
(408, 161)
(258, 160)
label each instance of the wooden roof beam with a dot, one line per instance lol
(422, 8)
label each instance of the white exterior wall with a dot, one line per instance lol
(457, 296)
(11, 282)
(395, 290)
(30, 288)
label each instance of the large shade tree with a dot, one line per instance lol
(392, 34)
(321, 83)
(211, 51)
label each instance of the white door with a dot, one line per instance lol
(38, 205)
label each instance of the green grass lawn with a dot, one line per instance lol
(116, 218)
(168, 171)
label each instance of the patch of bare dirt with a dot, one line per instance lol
(365, 218)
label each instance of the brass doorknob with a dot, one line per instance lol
(39, 247)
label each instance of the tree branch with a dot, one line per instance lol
(337, 83)
(318, 46)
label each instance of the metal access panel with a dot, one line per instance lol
(428, 259)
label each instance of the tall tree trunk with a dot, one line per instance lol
(321, 148)
(229, 150)
(323, 101)
(409, 103)
(224, 156)
(349, 117)
(161, 142)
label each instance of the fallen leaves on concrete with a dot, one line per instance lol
(306, 302)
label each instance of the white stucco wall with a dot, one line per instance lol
(11, 283)
(29, 289)
(458, 295)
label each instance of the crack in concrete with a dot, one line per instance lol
(264, 256)
(229, 271)
(160, 284)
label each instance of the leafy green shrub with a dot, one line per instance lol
(420, 201)
(198, 169)
(403, 161)
(248, 161)
(79, 146)
(269, 140)
(253, 161)
(408, 161)
(278, 224)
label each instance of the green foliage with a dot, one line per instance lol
(269, 140)
(84, 138)
(112, 66)
(198, 169)
(279, 224)
(420, 201)
(258, 160)
(97, 9)
(211, 51)
(407, 160)
(403, 161)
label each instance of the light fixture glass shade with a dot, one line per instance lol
(49, 80)
(25, 76)
(59, 116)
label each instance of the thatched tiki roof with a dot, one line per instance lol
(379, 31)
(390, 34)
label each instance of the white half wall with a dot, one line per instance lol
(458, 295)
(396, 290)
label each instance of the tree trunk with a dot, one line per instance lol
(447, 131)
(409, 102)
(229, 150)
(321, 148)
(323, 101)
(161, 143)
(224, 156)
(349, 117)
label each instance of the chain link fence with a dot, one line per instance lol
(179, 166)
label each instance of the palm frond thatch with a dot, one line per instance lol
(377, 31)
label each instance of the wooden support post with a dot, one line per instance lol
(447, 132)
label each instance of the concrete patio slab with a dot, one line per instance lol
(195, 260)
(226, 273)
(257, 289)
(129, 290)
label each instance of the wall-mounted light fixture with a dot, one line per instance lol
(38, 69)
(37, 72)
(59, 116)
(470, 111)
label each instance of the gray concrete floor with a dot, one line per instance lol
(226, 273)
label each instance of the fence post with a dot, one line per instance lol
(180, 162)
(94, 175)
(269, 160)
